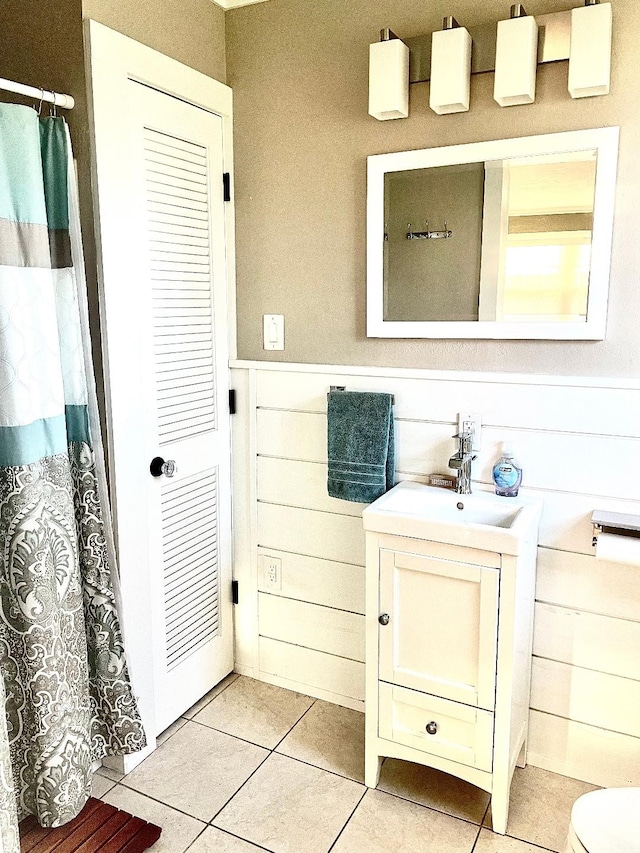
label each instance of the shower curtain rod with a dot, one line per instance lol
(55, 98)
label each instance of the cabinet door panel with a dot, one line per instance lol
(436, 726)
(442, 632)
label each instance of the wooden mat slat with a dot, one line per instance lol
(99, 828)
(66, 839)
(33, 836)
(147, 836)
(104, 832)
(123, 836)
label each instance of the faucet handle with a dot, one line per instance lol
(465, 441)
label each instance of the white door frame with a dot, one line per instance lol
(112, 61)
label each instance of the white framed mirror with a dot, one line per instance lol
(508, 239)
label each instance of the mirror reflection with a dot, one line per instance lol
(505, 240)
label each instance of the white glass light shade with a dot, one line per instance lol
(450, 71)
(389, 80)
(590, 51)
(516, 61)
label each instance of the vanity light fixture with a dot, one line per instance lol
(450, 68)
(590, 50)
(388, 77)
(516, 59)
(582, 35)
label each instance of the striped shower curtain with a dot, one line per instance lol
(64, 683)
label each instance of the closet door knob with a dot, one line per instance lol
(158, 467)
(383, 619)
(432, 727)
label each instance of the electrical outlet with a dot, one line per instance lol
(271, 572)
(473, 422)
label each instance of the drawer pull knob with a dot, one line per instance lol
(383, 619)
(432, 728)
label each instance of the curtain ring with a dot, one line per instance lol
(41, 100)
(53, 110)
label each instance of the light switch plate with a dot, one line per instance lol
(273, 331)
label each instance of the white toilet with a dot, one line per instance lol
(606, 821)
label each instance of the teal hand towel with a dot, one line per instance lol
(360, 445)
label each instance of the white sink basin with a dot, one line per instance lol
(482, 520)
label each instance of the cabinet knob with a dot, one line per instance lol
(383, 619)
(432, 727)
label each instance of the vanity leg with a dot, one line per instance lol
(372, 765)
(500, 811)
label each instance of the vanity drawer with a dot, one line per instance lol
(438, 726)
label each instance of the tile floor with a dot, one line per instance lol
(253, 767)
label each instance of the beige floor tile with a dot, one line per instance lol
(384, 823)
(489, 842)
(290, 807)
(173, 728)
(540, 806)
(108, 773)
(255, 711)
(100, 785)
(178, 830)
(215, 840)
(201, 703)
(197, 770)
(435, 789)
(330, 737)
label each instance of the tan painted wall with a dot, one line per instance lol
(302, 135)
(191, 32)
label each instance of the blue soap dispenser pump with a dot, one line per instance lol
(507, 474)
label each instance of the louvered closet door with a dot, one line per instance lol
(180, 147)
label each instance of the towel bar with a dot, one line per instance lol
(344, 388)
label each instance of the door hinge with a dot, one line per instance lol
(232, 401)
(234, 592)
(226, 186)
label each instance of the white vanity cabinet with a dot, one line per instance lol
(449, 635)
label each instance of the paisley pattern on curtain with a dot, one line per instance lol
(68, 696)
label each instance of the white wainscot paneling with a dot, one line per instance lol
(291, 482)
(584, 752)
(566, 518)
(585, 696)
(312, 626)
(292, 435)
(316, 581)
(569, 435)
(313, 671)
(588, 464)
(338, 538)
(587, 640)
(584, 583)
(548, 459)
(514, 402)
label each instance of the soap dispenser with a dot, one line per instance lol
(507, 474)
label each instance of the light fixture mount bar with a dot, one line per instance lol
(554, 36)
(386, 34)
(518, 11)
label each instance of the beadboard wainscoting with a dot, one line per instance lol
(578, 441)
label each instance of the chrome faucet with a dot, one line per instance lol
(462, 461)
